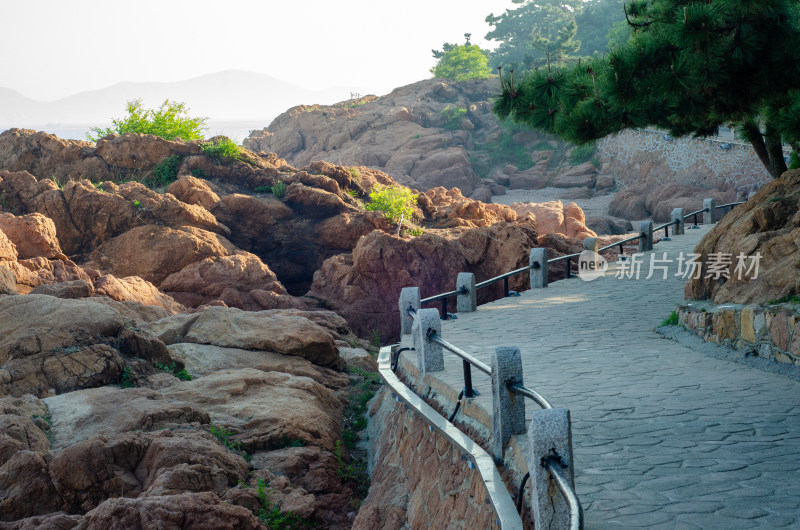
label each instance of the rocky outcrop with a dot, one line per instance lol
(767, 225)
(554, 217)
(363, 286)
(51, 346)
(656, 202)
(415, 134)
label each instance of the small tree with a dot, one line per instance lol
(461, 63)
(395, 202)
(170, 121)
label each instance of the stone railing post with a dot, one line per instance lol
(646, 233)
(468, 302)
(710, 217)
(409, 297)
(550, 433)
(508, 408)
(677, 217)
(538, 265)
(429, 354)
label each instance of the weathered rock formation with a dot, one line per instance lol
(428, 134)
(768, 225)
(656, 202)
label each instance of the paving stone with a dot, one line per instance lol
(722, 440)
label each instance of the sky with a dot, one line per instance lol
(53, 48)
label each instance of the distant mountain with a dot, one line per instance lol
(229, 95)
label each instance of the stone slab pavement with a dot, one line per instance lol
(664, 436)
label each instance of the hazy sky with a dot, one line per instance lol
(53, 48)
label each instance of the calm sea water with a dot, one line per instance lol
(235, 130)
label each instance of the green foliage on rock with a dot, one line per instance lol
(451, 117)
(222, 149)
(170, 121)
(688, 68)
(165, 172)
(461, 63)
(394, 201)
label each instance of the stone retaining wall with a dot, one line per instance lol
(651, 157)
(771, 331)
(419, 478)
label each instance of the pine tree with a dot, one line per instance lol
(690, 67)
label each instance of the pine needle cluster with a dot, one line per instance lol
(690, 67)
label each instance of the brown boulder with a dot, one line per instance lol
(193, 190)
(153, 252)
(314, 202)
(201, 360)
(530, 179)
(110, 410)
(47, 155)
(8, 251)
(449, 208)
(285, 333)
(70, 289)
(767, 225)
(184, 511)
(555, 218)
(85, 474)
(34, 235)
(607, 225)
(8, 281)
(35, 324)
(134, 289)
(140, 151)
(31, 273)
(22, 426)
(263, 409)
(241, 280)
(581, 176)
(364, 286)
(61, 370)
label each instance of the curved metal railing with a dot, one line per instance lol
(442, 298)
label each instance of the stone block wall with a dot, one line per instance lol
(771, 331)
(652, 157)
(419, 479)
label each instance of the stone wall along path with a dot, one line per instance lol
(663, 436)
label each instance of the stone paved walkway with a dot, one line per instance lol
(663, 436)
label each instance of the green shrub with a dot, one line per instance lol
(273, 517)
(199, 173)
(671, 320)
(279, 189)
(165, 172)
(224, 437)
(169, 121)
(182, 374)
(224, 150)
(582, 153)
(394, 201)
(263, 189)
(451, 117)
(463, 62)
(126, 381)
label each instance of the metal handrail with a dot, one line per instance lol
(659, 227)
(553, 464)
(619, 243)
(480, 365)
(496, 279)
(530, 394)
(438, 297)
(688, 215)
(565, 256)
(731, 204)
